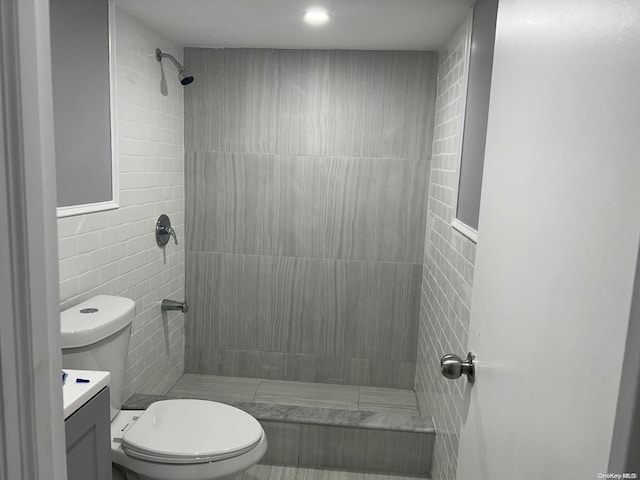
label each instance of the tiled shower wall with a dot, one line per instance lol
(115, 252)
(306, 180)
(448, 264)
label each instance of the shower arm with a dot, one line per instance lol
(160, 55)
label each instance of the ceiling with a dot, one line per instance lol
(354, 24)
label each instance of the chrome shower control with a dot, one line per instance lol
(453, 367)
(164, 231)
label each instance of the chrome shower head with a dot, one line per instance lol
(185, 76)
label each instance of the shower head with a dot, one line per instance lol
(185, 76)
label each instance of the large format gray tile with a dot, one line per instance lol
(346, 103)
(318, 474)
(203, 117)
(308, 394)
(284, 442)
(381, 103)
(382, 308)
(263, 303)
(384, 476)
(296, 305)
(211, 387)
(387, 373)
(258, 472)
(226, 296)
(387, 400)
(303, 98)
(232, 107)
(299, 367)
(365, 450)
(208, 287)
(307, 306)
(347, 208)
(141, 401)
(269, 472)
(230, 203)
(398, 452)
(339, 448)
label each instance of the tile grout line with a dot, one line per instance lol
(255, 395)
(297, 257)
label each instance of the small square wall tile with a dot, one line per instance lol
(448, 260)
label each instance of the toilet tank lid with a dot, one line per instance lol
(95, 319)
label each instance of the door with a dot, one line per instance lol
(31, 421)
(558, 241)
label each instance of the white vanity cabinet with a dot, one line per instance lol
(87, 426)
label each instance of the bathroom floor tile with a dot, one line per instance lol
(308, 394)
(268, 472)
(382, 476)
(388, 400)
(212, 387)
(317, 474)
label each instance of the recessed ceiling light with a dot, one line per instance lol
(316, 16)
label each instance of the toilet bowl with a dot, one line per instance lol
(186, 440)
(181, 439)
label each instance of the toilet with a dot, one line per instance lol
(182, 439)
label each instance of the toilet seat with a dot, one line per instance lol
(188, 431)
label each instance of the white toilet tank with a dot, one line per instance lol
(95, 336)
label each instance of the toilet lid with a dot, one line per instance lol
(191, 431)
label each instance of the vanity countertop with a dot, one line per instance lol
(75, 394)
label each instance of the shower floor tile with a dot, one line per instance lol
(212, 387)
(301, 394)
(308, 394)
(388, 400)
(268, 472)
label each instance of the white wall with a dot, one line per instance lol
(447, 275)
(115, 252)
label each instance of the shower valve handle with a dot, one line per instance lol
(164, 231)
(169, 231)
